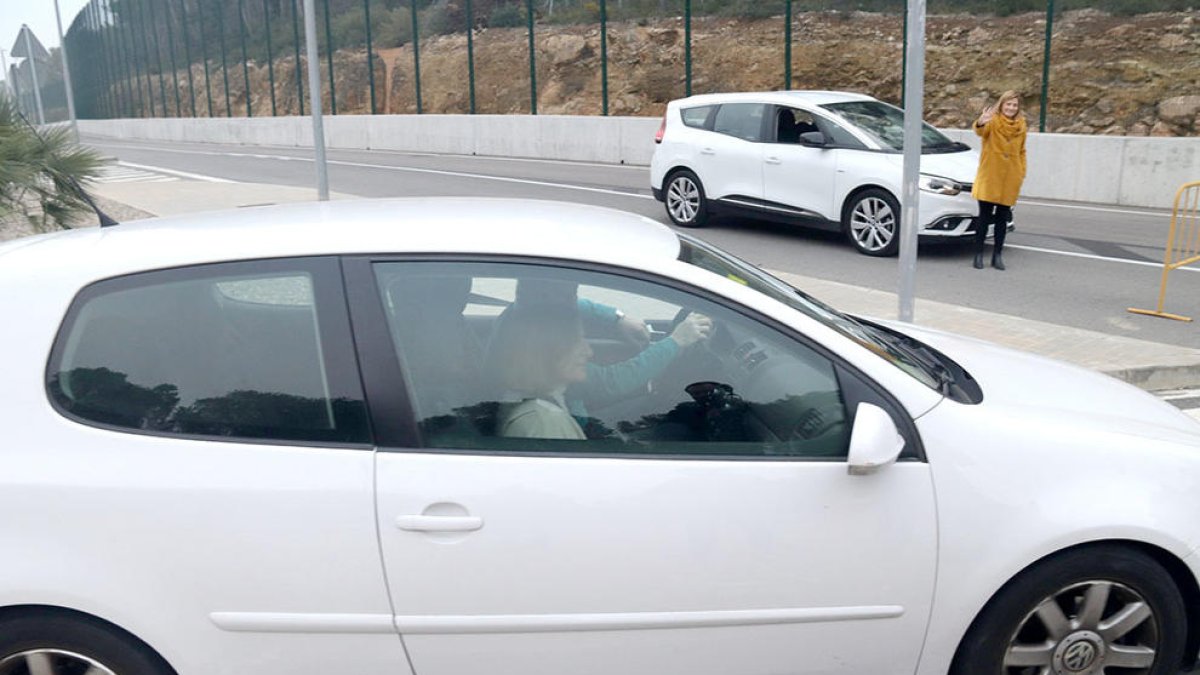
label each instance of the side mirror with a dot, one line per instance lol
(875, 442)
(812, 139)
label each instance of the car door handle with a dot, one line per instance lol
(439, 523)
(708, 151)
(774, 160)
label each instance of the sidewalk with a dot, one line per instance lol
(1149, 365)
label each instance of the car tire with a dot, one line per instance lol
(871, 221)
(683, 195)
(1052, 618)
(50, 642)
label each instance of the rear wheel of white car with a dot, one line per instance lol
(46, 643)
(684, 199)
(1090, 611)
(872, 222)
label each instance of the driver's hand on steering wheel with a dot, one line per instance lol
(633, 330)
(694, 328)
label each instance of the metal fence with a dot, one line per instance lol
(197, 58)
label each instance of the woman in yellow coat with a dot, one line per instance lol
(1001, 171)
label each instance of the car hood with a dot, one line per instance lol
(1018, 380)
(957, 166)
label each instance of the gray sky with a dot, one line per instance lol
(39, 14)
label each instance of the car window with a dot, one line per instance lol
(743, 120)
(539, 359)
(791, 122)
(696, 117)
(838, 135)
(205, 353)
(885, 124)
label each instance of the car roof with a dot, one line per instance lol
(795, 97)
(425, 225)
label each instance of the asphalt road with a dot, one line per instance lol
(1074, 264)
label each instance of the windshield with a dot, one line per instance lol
(885, 124)
(879, 342)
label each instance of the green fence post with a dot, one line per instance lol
(370, 55)
(224, 57)
(270, 54)
(532, 60)
(245, 65)
(203, 54)
(604, 56)
(146, 52)
(187, 55)
(416, 42)
(116, 98)
(687, 47)
(787, 45)
(296, 46)
(904, 59)
(120, 55)
(329, 60)
(130, 60)
(171, 52)
(1046, 64)
(158, 57)
(470, 57)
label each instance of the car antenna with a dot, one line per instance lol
(105, 219)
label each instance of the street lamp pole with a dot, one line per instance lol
(62, 51)
(314, 92)
(910, 195)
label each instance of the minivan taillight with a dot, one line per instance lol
(662, 129)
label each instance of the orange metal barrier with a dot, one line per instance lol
(1183, 243)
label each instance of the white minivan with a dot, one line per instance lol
(825, 159)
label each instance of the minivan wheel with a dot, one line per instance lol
(872, 222)
(684, 199)
(49, 644)
(1092, 611)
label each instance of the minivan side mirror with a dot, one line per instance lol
(875, 442)
(813, 139)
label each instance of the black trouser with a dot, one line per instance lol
(992, 214)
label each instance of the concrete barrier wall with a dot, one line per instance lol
(1130, 171)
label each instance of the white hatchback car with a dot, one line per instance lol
(488, 437)
(825, 159)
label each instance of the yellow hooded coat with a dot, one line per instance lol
(1002, 161)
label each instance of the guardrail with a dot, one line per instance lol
(1183, 243)
(1123, 170)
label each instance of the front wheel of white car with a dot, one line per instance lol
(1091, 611)
(42, 642)
(871, 221)
(684, 198)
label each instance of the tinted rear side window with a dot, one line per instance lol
(744, 120)
(221, 351)
(696, 117)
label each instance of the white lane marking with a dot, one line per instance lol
(1092, 256)
(502, 179)
(396, 153)
(1105, 209)
(564, 186)
(173, 172)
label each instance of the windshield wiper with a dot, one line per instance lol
(924, 357)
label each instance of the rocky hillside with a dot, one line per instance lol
(1133, 76)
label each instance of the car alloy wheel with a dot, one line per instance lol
(1092, 610)
(1112, 627)
(685, 200)
(873, 224)
(51, 662)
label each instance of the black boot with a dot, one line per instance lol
(997, 260)
(979, 260)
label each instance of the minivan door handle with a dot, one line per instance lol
(774, 160)
(439, 523)
(708, 151)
